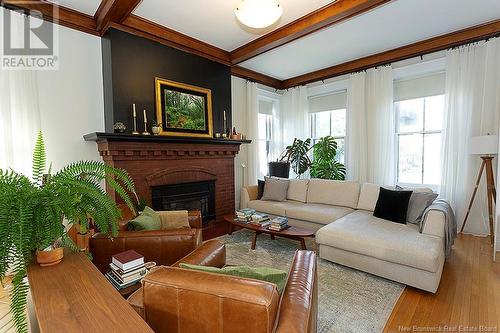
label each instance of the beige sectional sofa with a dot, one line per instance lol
(347, 233)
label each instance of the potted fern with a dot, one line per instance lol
(35, 214)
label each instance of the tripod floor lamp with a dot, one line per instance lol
(486, 147)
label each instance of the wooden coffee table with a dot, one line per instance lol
(292, 232)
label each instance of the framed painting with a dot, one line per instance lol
(183, 109)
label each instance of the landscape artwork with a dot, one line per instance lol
(183, 110)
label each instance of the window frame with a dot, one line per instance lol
(424, 132)
(269, 97)
(312, 129)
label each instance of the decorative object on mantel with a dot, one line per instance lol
(145, 125)
(183, 109)
(486, 147)
(217, 135)
(134, 132)
(37, 209)
(235, 135)
(156, 128)
(119, 127)
(227, 131)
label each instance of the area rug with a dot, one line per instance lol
(349, 300)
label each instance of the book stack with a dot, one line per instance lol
(278, 224)
(260, 219)
(127, 268)
(245, 215)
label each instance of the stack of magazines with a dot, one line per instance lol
(245, 215)
(278, 224)
(260, 219)
(127, 268)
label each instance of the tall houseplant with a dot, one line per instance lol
(33, 214)
(323, 163)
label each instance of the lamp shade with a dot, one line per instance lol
(483, 145)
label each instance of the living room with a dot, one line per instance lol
(249, 166)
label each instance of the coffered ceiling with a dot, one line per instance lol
(313, 40)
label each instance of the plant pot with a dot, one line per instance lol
(82, 241)
(279, 169)
(49, 258)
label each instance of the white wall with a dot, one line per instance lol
(71, 99)
(239, 116)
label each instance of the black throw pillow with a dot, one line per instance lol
(392, 205)
(260, 191)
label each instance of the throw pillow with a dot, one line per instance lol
(275, 189)
(260, 191)
(392, 205)
(276, 276)
(148, 219)
(175, 219)
(419, 201)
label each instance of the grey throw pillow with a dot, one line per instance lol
(419, 201)
(275, 189)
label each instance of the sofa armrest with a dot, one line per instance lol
(299, 304)
(196, 301)
(211, 253)
(248, 193)
(434, 223)
(164, 247)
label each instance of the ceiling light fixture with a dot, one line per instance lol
(258, 14)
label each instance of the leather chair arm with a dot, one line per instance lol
(164, 247)
(196, 301)
(299, 302)
(211, 253)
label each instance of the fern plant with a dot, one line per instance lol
(324, 164)
(33, 212)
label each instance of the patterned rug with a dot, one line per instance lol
(349, 300)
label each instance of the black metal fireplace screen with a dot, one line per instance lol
(187, 196)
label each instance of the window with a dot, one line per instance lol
(418, 140)
(331, 123)
(265, 141)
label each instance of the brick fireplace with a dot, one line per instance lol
(170, 164)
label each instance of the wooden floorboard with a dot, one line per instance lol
(468, 297)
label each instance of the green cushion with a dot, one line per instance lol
(268, 274)
(147, 220)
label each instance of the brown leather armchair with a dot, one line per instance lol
(180, 300)
(164, 247)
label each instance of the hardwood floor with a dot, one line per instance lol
(468, 296)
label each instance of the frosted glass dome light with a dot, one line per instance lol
(258, 14)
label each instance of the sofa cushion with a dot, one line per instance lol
(275, 189)
(297, 190)
(317, 213)
(273, 207)
(368, 196)
(333, 192)
(361, 232)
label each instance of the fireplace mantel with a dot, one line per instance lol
(157, 160)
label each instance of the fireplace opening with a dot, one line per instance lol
(186, 196)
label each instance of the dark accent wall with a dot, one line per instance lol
(130, 65)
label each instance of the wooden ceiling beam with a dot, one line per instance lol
(144, 28)
(435, 44)
(53, 13)
(113, 11)
(324, 17)
(248, 74)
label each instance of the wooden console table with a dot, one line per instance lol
(74, 296)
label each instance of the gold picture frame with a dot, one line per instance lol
(183, 109)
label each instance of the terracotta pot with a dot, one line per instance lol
(49, 258)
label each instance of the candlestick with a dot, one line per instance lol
(145, 125)
(134, 132)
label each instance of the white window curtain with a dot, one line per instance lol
(472, 108)
(295, 115)
(19, 112)
(253, 133)
(370, 126)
